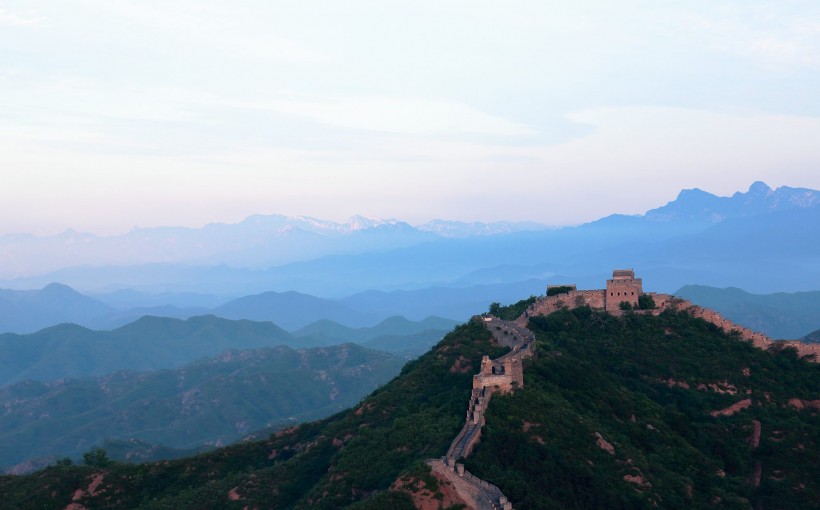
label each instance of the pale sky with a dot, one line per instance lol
(117, 113)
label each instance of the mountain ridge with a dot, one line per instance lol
(154, 343)
(429, 259)
(207, 403)
(614, 412)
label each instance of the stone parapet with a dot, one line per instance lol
(758, 339)
(598, 299)
(503, 374)
(477, 493)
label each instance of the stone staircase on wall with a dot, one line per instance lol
(501, 375)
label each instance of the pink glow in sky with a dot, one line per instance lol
(126, 113)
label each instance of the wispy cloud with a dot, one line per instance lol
(219, 28)
(770, 36)
(386, 108)
(30, 18)
(401, 115)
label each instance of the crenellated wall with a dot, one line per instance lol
(599, 299)
(571, 299)
(759, 340)
(501, 375)
(477, 493)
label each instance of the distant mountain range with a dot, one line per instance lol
(153, 343)
(365, 316)
(210, 402)
(256, 242)
(29, 311)
(159, 386)
(292, 310)
(698, 238)
(330, 331)
(780, 315)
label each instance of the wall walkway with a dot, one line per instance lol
(502, 374)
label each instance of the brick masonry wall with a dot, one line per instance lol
(622, 290)
(759, 340)
(509, 374)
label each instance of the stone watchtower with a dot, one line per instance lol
(622, 287)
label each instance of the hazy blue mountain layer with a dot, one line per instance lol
(780, 315)
(396, 325)
(150, 343)
(290, 310)
(458, 303)
(396, 335)
(30, 310)
(258, 241)
(697, 238)
(209, 402)
(153, 343)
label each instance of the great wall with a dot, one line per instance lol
(501, 375)
(624, 287)
(505, 374)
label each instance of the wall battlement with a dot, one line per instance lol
(759, 340)
(500, 375)
(623, 286)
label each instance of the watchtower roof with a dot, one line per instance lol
(623, 274)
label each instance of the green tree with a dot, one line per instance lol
(625, 306)
(96, 458)
(563, 289)
(646, 302)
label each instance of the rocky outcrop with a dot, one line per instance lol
(443, 495)
(732, 409)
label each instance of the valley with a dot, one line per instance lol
(611, 411)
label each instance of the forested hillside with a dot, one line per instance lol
(203, 404)
(632, 412)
